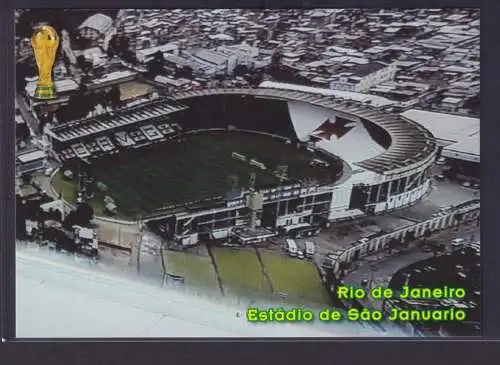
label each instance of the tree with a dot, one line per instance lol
(185, 72)
(70, 221)
(155, 66)
(50, 234)
(113, 96)
(57, 215)
(240, 70)
(26, 179)
(256, 79)
(84, 213)
(22, 131)
(80, 61)
(64, 242)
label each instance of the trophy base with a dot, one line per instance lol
(45, 92)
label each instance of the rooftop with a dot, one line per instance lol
(99, 22)
(448, 128)
(211, 56)
(363, 98)
(468, 148)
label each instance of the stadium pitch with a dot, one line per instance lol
(200, 167)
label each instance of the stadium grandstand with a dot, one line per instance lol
(127, 128)
(376, 161)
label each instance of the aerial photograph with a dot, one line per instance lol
(247, 173)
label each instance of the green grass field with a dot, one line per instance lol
(241, 272)
(146, 180)
(197, 271)
(296, 278)
(66, 188)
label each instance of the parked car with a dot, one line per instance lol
(441, 161)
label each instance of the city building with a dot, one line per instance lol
(362, 77)
(145, 55)
(95, 27)
(245, 53)
(211, 63)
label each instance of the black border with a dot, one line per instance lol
(409, 351)
(7, 176)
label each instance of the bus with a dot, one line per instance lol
(291, 247)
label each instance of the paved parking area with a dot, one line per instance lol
(386, 267)
(444, 193)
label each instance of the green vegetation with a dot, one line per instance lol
(197, 271)
(241, 272)
(296, 278)
(201, 167)
(67, 189)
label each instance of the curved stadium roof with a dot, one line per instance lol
(410, 142)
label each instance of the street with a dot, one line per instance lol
(386, 267)
(27, 114)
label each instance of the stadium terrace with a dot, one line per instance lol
(351, 159)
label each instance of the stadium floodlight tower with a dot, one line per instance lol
(255, 201)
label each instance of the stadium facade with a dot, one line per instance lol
(386, 159)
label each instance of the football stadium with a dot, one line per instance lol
(209, 163)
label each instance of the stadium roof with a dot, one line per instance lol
(77, 129)
(410, 142)
(468, 149)
(372, 99)
(448, 128)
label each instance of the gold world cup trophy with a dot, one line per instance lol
(45, 42)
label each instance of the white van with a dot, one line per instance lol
(310, 249)
(457, 242)
(291, 247)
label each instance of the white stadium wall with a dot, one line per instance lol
(306, 118)
(404, 199)
(356, 145)
(339, 206)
